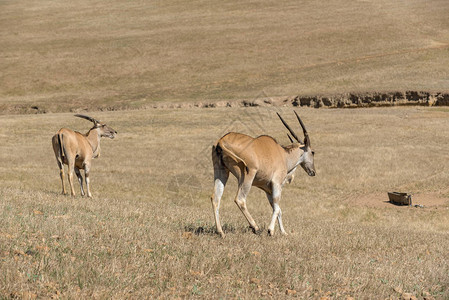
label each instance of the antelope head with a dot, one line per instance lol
(103, 129)
(306, 154)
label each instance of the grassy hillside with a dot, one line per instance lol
(98, 54)
(149, 229)
(149, 232)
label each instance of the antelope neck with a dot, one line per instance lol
(94, 141)
(291, 158)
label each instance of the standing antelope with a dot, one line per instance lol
(259, 162)
(77, 150)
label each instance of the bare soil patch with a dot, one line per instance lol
(434, 200)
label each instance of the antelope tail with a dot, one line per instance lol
(61, 148)
(220, 149)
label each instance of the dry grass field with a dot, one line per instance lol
(112, 54)
(148, 232)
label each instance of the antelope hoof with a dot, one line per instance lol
(256, 230)
(270, 232)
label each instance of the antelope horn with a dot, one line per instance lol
(88, 118)
(289, 129)
(290, 138)
(304, 130)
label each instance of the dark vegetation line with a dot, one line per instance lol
(345, 100)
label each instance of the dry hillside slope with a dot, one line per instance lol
(59, 56)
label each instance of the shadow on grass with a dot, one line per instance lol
(55, 193)
(206, 230)
(211, 229)
(396, 204)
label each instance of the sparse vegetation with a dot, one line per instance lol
(148, 231)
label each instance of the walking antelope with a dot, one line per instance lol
(259, 162)
(77, 150)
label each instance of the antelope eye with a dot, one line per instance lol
(313, 152)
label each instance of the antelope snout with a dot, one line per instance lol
(311, 173)
(112, 134)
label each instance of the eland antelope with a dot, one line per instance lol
(260, 162)
(77, 150)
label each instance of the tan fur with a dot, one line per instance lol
(76, 150)
(259, 162)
